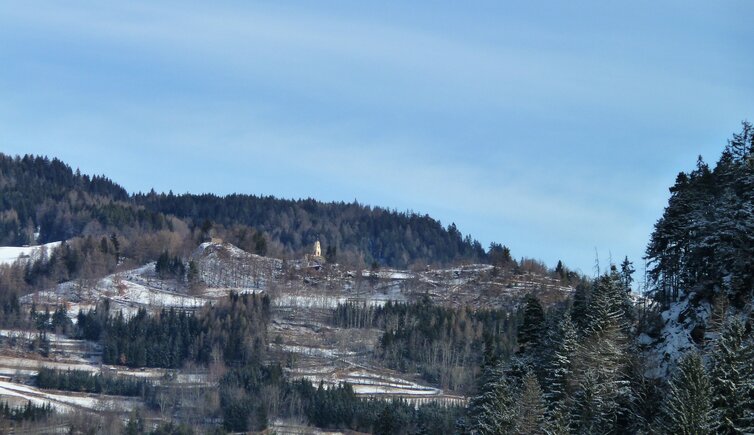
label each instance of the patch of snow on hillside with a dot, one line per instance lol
(65, 401)
(316, 301)
(9, 254)
(128, 291)
(680, 319)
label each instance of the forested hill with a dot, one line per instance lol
(381, 235)
(41, 195)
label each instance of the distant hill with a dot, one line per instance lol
(43, 200)
(385, 236)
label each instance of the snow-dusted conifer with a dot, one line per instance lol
(530, 408)
(531, 332)
(687, 409)
(492, 411)
(559, 366)
(733, 380)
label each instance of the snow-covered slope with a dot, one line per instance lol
(684, 326)
(226, 266)
(127, 291)
(9, 254)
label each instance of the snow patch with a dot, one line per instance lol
(10, 254)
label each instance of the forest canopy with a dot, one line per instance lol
(44, 200)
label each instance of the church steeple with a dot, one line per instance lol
(317, 249)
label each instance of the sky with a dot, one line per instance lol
(554, 128)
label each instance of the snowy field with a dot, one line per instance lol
(65, 401)
(10, 254)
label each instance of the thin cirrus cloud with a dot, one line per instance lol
(440, 70)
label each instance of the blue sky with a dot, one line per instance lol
(552, 127)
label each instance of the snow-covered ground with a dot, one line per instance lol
(675, 339)
(309, 301)
(10, 254)
(313, 351)
(225, 265)
(65, 401)
(377, 383)
(9, 365)
(128, 291)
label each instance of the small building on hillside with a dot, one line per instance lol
(315, 260)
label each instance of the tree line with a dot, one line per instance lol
(233, 330)
(87, 382)
(44, 200)
(251, 395)
(444, 345)
(28, 412)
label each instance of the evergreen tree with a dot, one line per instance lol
(560, 270)
(493, 411)
(705, 238)
(580, 308)
(626, 274)
(593, 408)
(609, 305)
(116, 247)
(559, 364)
(603, 393)
(687, 409)
(531, 332)
(559, 420)
(530, 409)
(733, 380)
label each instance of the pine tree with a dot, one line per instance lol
(559, 365)
(590, 413)
(609, 305)
(580, 309)
(531, 333)
(626, 274)
(530, 409)
(603, 393)
(492, 411)
(687, 409)
(733, 380)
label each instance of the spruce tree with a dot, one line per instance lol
(603, 393)
(580, 308)
(492, 411)
(531, 333)
(733, 380)
(687, 409)
(559, 420)
(530, 409)
(590, 413)
(626, 274)
(609, 305)
(559, 364)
